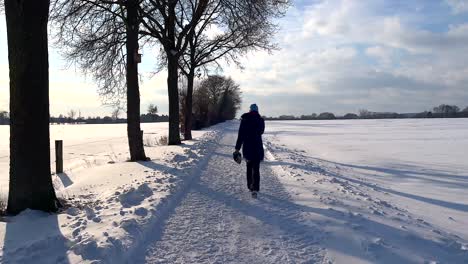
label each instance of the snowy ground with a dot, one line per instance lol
(216, 220)
(87, 146)
(117, 200)
(361, 191)
(385, 191)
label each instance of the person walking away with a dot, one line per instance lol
(249, 138)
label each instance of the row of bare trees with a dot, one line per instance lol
(215, 99)
(103, 38)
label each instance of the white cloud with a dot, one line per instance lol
(458, 6)
(381, 53)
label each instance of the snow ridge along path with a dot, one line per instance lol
(216, 220)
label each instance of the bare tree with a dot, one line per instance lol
(172, 23)
(182, 104)
(102, 37)
(243, 26)
(152, 109)
(446, 109)
(4, 118)
(3, 114)
(115, 113)
(216, 99)
(30, 174)
(230, 100)
(364, 113)
(72, 114)
(201, 106)
(326, 116)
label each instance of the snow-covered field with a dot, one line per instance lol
(358, 191)
(395, 190)
(86, 146)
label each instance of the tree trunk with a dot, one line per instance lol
(30, 175)
(135, 137)
(172, 76)
(173, 91)
(189, 106)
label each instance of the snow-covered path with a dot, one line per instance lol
(216, 220)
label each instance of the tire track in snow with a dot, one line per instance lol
(218, 222)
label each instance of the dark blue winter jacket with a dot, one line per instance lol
(250, 136)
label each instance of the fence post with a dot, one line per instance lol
(58, 156)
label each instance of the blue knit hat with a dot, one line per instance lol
(254, 108)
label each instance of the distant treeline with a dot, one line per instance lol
(215, 99)
(145, 118)
(71, 119)
(224, 101)
(441, 111)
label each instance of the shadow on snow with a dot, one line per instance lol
(34, 237)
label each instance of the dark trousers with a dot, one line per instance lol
(253, 175)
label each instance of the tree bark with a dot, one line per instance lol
(189, 106)
(172, 76)
(30, 174)
(135, 137)
(173, 91)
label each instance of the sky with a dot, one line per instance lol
(334, 55)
